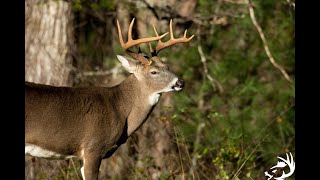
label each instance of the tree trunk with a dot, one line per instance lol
(48, 37)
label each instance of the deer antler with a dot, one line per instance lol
(161, 45)
(131, 42)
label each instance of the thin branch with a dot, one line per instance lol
(265, 44)
(153, 10)
(238, 171)
(235, 1)
(62, 170)
(205, 20)
(215, 11)
(196, 145)
(214, 83)
(264, 131)
(74, 168)
(180, 158)
(184, 144)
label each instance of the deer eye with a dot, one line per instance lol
(154, 72)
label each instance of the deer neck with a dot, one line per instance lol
(139, 100)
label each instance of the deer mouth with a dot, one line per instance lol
(175, 85)
(178, 85)
(176, 88)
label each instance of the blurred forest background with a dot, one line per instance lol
(236, 113)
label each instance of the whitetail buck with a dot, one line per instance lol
(91, 123)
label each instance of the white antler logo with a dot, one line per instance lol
(281, 164)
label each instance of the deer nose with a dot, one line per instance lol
(180, 83)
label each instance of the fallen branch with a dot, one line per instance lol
(264, 41)
(96, 73)
(214, 82)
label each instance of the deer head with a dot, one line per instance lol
(151, 71)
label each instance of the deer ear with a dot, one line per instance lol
(127, 63)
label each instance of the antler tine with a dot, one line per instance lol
(153, 52)
(171, 31)
(120, 34)
(150, 47)
(161, 45)
(130, 30)
(155, 31)
(133, 42)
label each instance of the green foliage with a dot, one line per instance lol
(257, 103)
(106, 5)
(205, 7)
(77, 5)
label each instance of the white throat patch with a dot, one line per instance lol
(154, 98)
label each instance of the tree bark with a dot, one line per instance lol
(48, 37)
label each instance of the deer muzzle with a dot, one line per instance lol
(178, 85)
